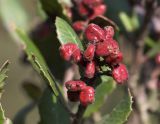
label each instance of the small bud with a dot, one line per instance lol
(94, 33)
(87, 96)
(120, 74)
(73, 96)
(90, 69)
(98, 10)
(79, 26)
(76, 56)
(66, 50)
(109, 32)
(89, 52)
(75, 85)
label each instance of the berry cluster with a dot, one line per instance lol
(77, 90)
(88, 9)
(102, 50)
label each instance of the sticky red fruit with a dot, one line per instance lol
(89, 52)
(73, 96)
(67, 50)
(75, 85)
(109, 32)
(90, 69)
(98, 10)
(114, 59)
(76, 56)
(120, 74)
(87, 96)
(107, 48)
(158, 59)
(94, 33)
(79, 26)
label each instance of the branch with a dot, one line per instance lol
(79, 114)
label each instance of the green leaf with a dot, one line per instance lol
(120, 113)
(127, 22)
(37, 60)
(102, 91)
(51, 110)
(3, 119)
(150, 42)
(135, 21)
(154, 50)
(12, 13)
(3, 76)
(66, 34)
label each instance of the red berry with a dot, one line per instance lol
(82, 10)
(73, 96)
(158, 59)
(120, 74)
(109, 32)
(75, 85)
(67, 50)
(79, 25)
(89, 52)
(98, 10)
(87, 96)
(101, 49)
(76, 56)
(107, 48)
(114, 58)
(90, 69)
(94, 33)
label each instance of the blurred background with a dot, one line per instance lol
(14, 97)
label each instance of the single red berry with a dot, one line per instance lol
(114, 59)
(75, 85)
(83, 11)
(79, 26)
(98, 10)
(90, 69)
(101, 49)
(109, 32)
(107, 48)
(158, 59)
(67, 50)
(94, 33)
(120, 74)
(89, 52)
(87, 96)
(73, 96)
(76, 56)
